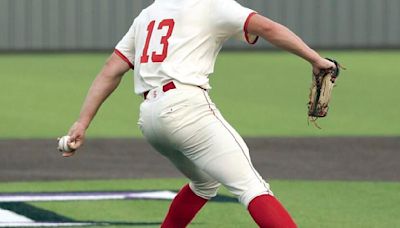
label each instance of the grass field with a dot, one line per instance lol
(327, 204)
(261, 94)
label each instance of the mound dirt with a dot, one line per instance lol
(338, 158)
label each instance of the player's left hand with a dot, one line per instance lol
(322, 64)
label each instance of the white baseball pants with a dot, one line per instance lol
(187, 128)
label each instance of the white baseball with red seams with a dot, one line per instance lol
(63, 144)
(178, 41)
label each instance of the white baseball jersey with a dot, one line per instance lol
(177, 41)
(180, 40)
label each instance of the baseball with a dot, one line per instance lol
(63, 144)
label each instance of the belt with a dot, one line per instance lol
(165, 88)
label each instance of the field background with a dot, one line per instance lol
(327, 204)
(262, 94)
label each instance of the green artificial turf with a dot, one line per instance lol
(259, 93)
(316, 204)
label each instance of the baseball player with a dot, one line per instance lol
(172, 47)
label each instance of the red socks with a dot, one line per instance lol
(183, 208)
(267, 212)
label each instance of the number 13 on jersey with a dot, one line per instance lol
(155, 57)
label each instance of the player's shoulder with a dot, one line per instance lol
(142, 16)
(143, 13)
(219, 2)
(223, 6)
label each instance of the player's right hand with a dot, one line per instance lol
(77, 137)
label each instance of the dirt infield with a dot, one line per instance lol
(276, 158)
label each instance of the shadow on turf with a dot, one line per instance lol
(42, 215)
(34, 213)
(104, 223)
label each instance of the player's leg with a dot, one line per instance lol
(193, 196)
(190, 123)
(217, 149)
(183, 208)
(265, 209)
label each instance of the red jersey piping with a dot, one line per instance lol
(123, 57)
(246, 33)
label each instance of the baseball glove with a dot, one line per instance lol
(321, 92)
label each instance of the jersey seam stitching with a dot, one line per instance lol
(247, 159)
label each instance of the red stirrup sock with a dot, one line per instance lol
(183, 208)
(268, 212)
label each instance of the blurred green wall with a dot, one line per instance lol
(99, 24)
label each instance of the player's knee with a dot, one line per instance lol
(206, 190)
(252, 191)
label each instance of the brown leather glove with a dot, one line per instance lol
(321, 92)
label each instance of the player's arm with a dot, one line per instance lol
(103, 85)
(284, 38)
